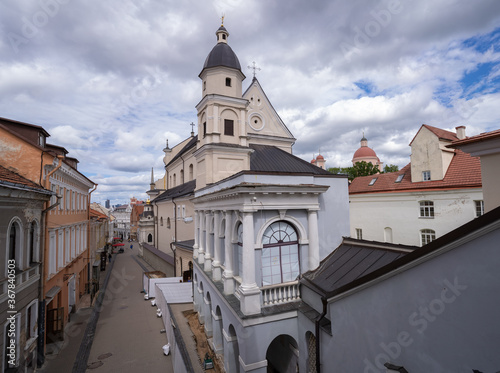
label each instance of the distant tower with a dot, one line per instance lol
(319, 161)
(107, 204)
(152, 184)
(364, 153)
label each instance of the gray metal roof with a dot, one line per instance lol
(272, 159)
(178, 191)
(351, 260)
(222, 55)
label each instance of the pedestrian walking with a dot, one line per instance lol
(109, 257)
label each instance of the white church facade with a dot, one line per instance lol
(256, 217)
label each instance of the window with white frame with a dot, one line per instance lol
(426, 209)
(33, 243)
(426, 175)
(280, 254)
(67, 245)
(479, 208)
(52, 253)
(60, 248)
(31, 320)
(15, 243)
(359, 233)
(73, 243)
(427, 236)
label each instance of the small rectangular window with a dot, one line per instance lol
(359, 233)
(373, 181)
(426, 209)
(228, 127)
(228, 82)
(204, 129)
(426, 175)
(479, 208)
(400, 178)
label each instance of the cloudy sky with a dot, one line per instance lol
(112, 80)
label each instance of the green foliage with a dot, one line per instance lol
(390, 168)
(359, 169)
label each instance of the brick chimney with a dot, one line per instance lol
(461, 132)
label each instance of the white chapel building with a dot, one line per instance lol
(254, 216)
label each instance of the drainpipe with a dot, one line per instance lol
(318, 320)
(183, 171)
(175, 263)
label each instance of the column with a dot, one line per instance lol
(216, 269)
(227, 276)
(209, 235)
(312, 222)
(249, 291)
(201, 243)
(196, 234)
(208, 317)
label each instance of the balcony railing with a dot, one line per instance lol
(280, 293)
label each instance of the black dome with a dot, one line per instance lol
(222, 55)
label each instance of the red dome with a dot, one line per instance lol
(363, 152)
(320, 157)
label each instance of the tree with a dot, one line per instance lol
(359, 169)
(390, 168)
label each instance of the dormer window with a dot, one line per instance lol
(228, 82)
(41, 140)
(400, 178)
(426, 175)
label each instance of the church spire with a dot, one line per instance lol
(152, 184)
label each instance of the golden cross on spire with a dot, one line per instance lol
(254, 68)
(222, 17)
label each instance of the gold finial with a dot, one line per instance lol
(222, 23)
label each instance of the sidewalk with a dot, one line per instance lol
(127, 335)
(60, 357)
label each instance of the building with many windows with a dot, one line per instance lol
(65, 269)
(23, 214)
(439, 190)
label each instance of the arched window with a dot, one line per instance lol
(427, 236)
(181, 181)
(388, 234)
(280, 254)
(161, 221)
(191, 173)
(150, 237)
(175, 180)
(168, 223)
(14, 245)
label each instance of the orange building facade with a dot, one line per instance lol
(65, 256)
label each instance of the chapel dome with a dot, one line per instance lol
(363, 152)
(222, 55)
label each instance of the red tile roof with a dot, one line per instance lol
(464, 172)
(440, 133)
(481, 137)
(97, 214)
(14, 178)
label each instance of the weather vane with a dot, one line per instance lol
(254, 68)
(222, 17)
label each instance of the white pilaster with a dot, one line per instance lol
(216, 269)
(250, 292)
(312, 221)
(209, 235)
(201, 249)
(227, 276)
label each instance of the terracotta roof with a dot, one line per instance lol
(364, 151)
(11, 178)
(97, 214)
(440, 133)
(481, 137)
(464, 172)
